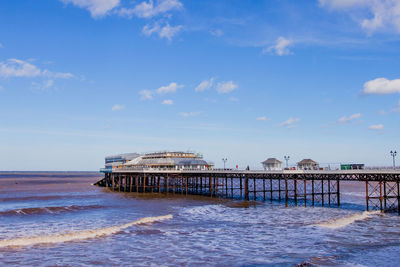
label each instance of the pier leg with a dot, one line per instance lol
(187, 180)
(166, 184)
(137, 183)
(130, 183)
(322, 193)
(271, 189)
(398, 197)
(113, 182)
(279, 189)
(241, 187)
(380, 195)
(246, 188)
(286, 192)
(384, 194)
(231, 187)
(226, 186)
(119, 182)
(338, 191)
(367, 194)
(295, 191)
(255, 190)
(329, 192)
(312, 191)
(264, 187)
(144, 183)
(305, 193)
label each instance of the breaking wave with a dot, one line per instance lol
(85, 234)
(44, 210)
(342, 222)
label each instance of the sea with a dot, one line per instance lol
(62, 219)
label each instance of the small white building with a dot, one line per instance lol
(307, 164)
(272, 164)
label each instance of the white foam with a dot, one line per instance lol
(85, 234)
(342, 222)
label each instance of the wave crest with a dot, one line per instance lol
(85, 234)
(342, 222)
(43, 210)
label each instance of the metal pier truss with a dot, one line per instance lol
(308, 188)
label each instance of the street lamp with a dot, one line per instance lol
(287, 160)
(224, 160)
(394, 154)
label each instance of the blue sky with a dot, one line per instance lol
(246, 80)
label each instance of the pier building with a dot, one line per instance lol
(272, 164)
(116, 161)
(160, 160)
(307, 164)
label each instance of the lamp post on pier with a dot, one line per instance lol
(224, 160)
(287, 160)
(394, 154)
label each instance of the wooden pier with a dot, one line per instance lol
(298, 187)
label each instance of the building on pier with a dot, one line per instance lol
(272, 164)
(161, 160)
(307, 164)
(116, 161)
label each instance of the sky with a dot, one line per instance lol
(242, 80)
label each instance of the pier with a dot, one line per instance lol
(294, 187)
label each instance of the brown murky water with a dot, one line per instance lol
(60, 219)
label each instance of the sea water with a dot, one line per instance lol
(61, 219)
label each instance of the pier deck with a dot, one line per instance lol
(305, 187)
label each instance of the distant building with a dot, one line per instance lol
(307, 164)
(170, 160)
(272, 164)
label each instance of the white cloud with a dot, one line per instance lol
(204, 85)
(42, 85)
(346, 119)
(376, 127)
(1, 45)
(19, 68)
(226, 87)
(167, 31)
(341, 4)
(171, 88)
(377, 15)
(397, 108)
(190, 114)
(280, 48)
(262, 118)
(289, 123)
(233, 99)
(146, 94)
(57, 75)
(148, 9)
(97, 8)
(382, 86)
(168, 102)
(1, 88)
(217, 33)
(117, 107)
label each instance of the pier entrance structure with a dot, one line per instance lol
(298, 187)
